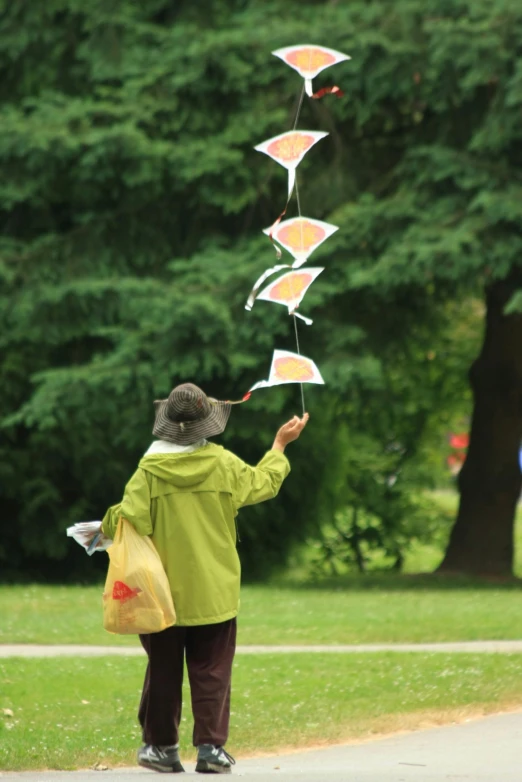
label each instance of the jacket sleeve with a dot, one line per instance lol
(135, 507)
(260, 483)
(110, 521)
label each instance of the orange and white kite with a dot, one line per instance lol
(289, 149)
(309, 60)
(290, 288)
(301, 236)
(290, 368)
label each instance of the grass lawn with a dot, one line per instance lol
(74, 713)
(352, 610)
(377, 607)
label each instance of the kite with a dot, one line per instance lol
(290, 288)
(266, 274)
(290, 368)
(308, 61)
(300, 236)
(289, 149)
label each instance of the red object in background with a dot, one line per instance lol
(455, 462)
(459, 440)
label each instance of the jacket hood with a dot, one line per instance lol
(183, 469)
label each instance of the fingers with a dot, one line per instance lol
(299, 423)
(292, 425)
(295, 425)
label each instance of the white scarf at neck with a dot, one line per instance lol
(164, 446)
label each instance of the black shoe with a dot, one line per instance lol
(160, 758)
(214, 760)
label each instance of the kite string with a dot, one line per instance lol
(299, 353)
(294, 316)
(298, 112)
(299, 106)
(298, 199)
(283, 213)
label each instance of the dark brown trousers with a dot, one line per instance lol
(209, 652)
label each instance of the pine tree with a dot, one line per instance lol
(132, 204)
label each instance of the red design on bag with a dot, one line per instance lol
(121, 591)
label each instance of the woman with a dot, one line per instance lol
(185, 495)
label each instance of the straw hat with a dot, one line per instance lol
(189, 415)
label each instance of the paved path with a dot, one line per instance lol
(485, 750)
(34, 650)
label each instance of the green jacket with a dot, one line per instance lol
(187, 503)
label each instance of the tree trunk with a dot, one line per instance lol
(481, 542)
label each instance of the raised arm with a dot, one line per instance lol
(260, 483)
(289, 432)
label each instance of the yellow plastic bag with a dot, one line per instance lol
(137, 597)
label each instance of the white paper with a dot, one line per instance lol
(309, 60)
(89, 535)
(300, 236)
(290, 367)
(288, 149)
(290, 288)
(268, 273)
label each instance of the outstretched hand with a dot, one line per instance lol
(289, 432)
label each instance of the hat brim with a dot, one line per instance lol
(188, 432)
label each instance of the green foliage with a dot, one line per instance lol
(392, 443)
(132, 203)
